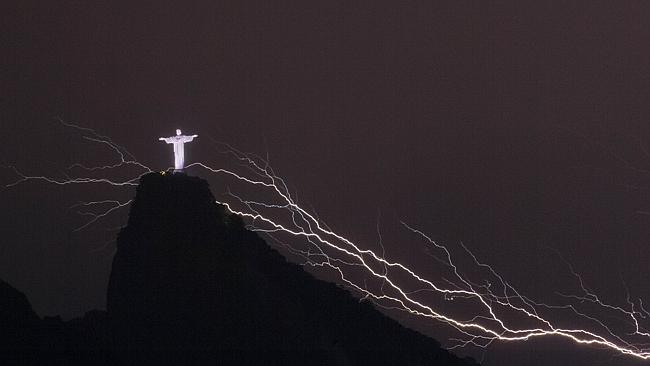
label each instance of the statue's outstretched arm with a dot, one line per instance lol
(167, 140)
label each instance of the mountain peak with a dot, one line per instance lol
(188, 269)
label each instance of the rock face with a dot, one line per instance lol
(18, 321)
(189, 281)
(167, 282)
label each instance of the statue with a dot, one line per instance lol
(179, 151)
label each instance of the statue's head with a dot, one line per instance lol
(178, 132)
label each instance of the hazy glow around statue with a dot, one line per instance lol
(179, 151)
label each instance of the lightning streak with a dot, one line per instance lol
(115, 205)
(125, 159)
(497, 310)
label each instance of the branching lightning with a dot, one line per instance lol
(497, 310)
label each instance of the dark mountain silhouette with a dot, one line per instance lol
(18, 321)
(190, 284)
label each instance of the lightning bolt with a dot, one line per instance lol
(102, 208)
(497, 310)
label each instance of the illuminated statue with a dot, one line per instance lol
(179, 151)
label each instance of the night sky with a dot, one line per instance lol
(513, 127)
